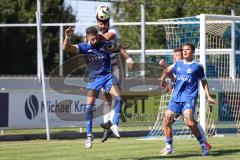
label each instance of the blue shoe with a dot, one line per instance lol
(205, 150)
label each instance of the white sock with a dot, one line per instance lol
(106, 111)
(169, 146)
(111, 115)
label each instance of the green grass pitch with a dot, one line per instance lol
(224, 148)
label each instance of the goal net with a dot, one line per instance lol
(217, 42)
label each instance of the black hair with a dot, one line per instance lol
(103, 21)
(92, 30)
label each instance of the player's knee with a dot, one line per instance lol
(169, 117)
(189, 123)
(166, 123)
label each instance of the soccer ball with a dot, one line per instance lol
(103, 13)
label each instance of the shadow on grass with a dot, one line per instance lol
(215, 153)
(222, 152)
(172, 156)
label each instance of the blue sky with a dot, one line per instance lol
(85, 11)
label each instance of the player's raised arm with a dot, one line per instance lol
(67, 45)
(167, 72)
(163, 63)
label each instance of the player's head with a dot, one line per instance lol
(92, 35)
(188, 50)
(103, 17)
(177, 54)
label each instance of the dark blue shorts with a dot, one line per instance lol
(179, 107)
(105, 82)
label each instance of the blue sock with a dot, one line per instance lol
(200, 139)
(168, 141)
(117, 109)
(89, 116)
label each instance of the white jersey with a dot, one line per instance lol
(115, 58)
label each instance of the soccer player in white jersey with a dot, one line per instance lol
(170, 117)
(110, 34)
(185, 94)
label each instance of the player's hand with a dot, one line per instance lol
(165, 86)
(211, 101)
(163, 63)
(69, 32)
(130, 63)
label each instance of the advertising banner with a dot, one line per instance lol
(26, 110)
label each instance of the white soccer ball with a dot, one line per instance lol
(103, 13)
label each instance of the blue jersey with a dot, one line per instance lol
(97, 59)
(187, 77)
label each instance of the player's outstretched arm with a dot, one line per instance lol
(67, 45)
(109, 36)
(206, 89)
(128, 59)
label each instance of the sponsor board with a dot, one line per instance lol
(4, 109)
(26, 110)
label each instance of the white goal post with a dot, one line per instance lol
(204, 20)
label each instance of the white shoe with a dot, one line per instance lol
(166, 151)
(89, 142)
(115, 130)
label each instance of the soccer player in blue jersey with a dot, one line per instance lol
(110, 34)
(100, 76)
(169, 116)
(184, 96)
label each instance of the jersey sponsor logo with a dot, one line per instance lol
(95, 57)
(184, 78)
(189, 71)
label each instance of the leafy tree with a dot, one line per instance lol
(162, 9)
(18, 47)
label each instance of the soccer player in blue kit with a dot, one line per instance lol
(185, 94)
(100, 76)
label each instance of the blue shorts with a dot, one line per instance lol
(105, 82)
(179, 107)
